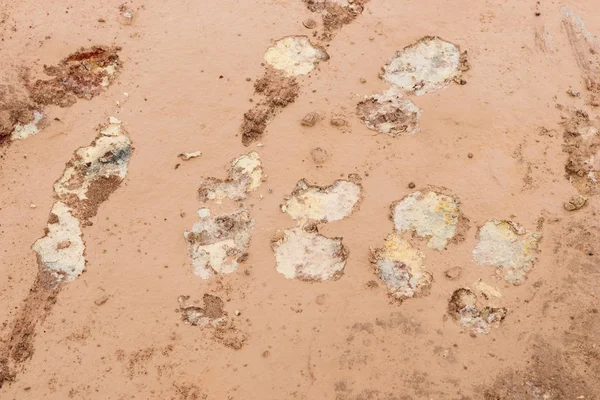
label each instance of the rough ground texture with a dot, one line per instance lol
(389, 113)
(496, 142)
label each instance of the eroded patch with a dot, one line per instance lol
(402, 268)
(426, 66)
(23, 131)
(464, 308)
(509, 247)
(218, 244)
(305, 254)
(582, 144)
(389, 113)
(245, 176)
(335, 13)
(295, 55)
(430, 215)
(323, 204)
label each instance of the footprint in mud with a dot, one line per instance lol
(82, 75)
(426, 214)
(509, 247)
(218, 244)
(302, 252)
(426, 66)
(88, 180)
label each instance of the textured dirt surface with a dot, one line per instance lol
(514, 139)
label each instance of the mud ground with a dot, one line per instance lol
(514, 140)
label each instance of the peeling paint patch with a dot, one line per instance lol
(402, 268)
(245, 176)
(509, 247)
(61, 249)
(218, 244)
(305, 254)
(295, 55)
(323, 204)
(463, 307)
(425, 66)
(23, 131)
(430, 215)
(389, 113)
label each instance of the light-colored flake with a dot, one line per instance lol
(506, 245)
(323, 204)
(425, 66)
(188, 156)
(61, 249)
(389, 113)
(402, 268)
(32, 128)
(245, 175)
(431, 215)
(108, 156)
(309, 256)
(294, 55)
(486, 290)
(218, 244)
(464, 308)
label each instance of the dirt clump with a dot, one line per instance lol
(463, 307)
(389, 113)
(310, 119)
(83, 74)
(575, 203)
(15, 109)
(581, 143)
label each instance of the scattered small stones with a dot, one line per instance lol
(389, 113)
(430, 215)
(295, 55)
(319, 155)
(402, 268)
(323, 204)
(218, 244)
(463, 308)
(188, 156)
(575, 203)
(309, 23)
(509, 247)
(453, 273)
(304, 254)
(245, 176)
(425, 66)
(310, 119)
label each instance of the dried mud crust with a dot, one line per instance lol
(335, 14)
(15, 109)
(426, 66)
(389, 113)
(306, 255)
(323, 204)
(582, 143)
(464, 308)
(84, 74)
(214, 318)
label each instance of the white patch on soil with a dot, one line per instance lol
(218, 244)
(61, 249)
(294, 55)
(24, 131)
(401, 267)
(389, 113)
(509, 247)
(308, 255)
(323, 204)
(431, 215)
(423, 67)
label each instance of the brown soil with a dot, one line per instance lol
(581, 146)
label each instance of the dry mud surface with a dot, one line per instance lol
(310, 199)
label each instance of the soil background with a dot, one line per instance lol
(185, 65)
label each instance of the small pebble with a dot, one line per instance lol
(411, 185)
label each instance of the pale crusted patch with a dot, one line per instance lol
(464, 308)
(245, 176)
(323, 204)
(402, 268)
(294, 55)
(23, 131)
(218, 244)
(506, 245)
(61, 249)
(425, 66)
(389, 113)
(431, 215)
(308, 255)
